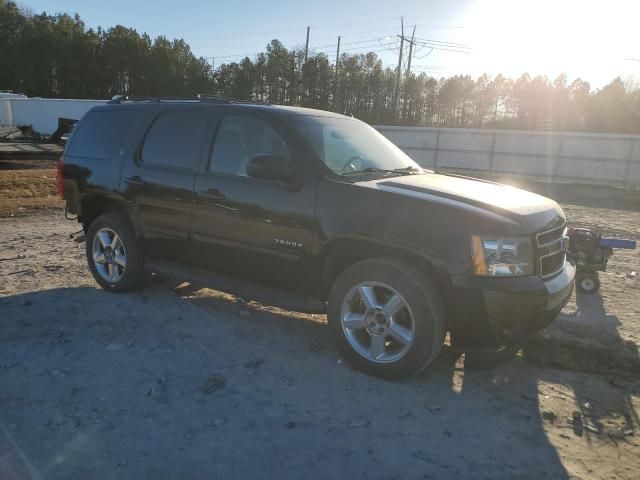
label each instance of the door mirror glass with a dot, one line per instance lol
(269, 167)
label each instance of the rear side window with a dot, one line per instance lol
(102, 134)
(174, 140)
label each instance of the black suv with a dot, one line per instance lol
(322, 204)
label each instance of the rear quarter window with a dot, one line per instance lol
(102, 134)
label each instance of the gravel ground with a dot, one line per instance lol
(195, 383)
(606, 324)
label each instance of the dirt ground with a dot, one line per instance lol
(195, 383)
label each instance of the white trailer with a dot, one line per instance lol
(41, 113)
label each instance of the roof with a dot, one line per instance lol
(150, 102)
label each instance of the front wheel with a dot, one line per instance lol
(113, 253)
(387, 317)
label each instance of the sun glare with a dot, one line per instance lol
(590, 39)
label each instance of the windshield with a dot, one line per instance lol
(349, 146)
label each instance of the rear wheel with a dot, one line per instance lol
(387, 317)
(113, 253)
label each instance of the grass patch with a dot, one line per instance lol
(24, 191)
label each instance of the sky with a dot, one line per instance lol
(589, 39)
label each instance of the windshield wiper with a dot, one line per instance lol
(409, 168)
(398, 171)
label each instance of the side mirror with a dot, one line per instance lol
(269, 167)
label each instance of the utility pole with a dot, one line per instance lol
(413, 35)
(337, 58)
(406, 83)
(335, 77)
(303, 92)
(397, 96)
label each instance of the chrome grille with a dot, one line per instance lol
(551, 252)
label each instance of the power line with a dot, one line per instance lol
(356, 26)
(386, 46)
(376, 45)
(372, 48)
(444, 49)
(371, 40)
(235, 58)
(374, 42)
(445, 43)
(361, 50)
(425, 55)
(421, 44)
(427, 67)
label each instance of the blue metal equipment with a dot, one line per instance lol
(591, 252)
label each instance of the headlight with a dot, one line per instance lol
(498, 256)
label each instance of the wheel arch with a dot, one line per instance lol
(92, 206)
(341, 253)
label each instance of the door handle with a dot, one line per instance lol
(214, 194)
(135, 180)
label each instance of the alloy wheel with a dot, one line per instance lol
(109, 255)
(378, 322)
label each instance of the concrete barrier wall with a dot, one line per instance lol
(552, 156)
(42, 113)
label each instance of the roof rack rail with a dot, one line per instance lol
(204, 98)
(199, 98)
(220, 99)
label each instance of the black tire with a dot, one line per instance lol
(133, 274)
(587, 282)
(421, 295)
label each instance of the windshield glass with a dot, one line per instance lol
(348, 146)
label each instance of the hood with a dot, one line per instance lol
(478, 195)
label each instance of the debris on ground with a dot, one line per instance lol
(591, 428)
(213, 384)
(253, 363)
(9, 133)
(181, 287)
(358, 422)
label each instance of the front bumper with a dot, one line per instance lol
(490, 311)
